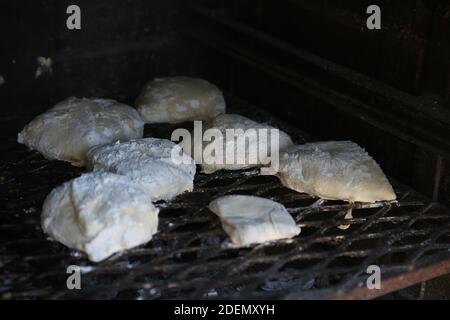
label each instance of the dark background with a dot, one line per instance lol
(312, 63)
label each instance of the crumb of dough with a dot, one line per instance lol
(44, 66)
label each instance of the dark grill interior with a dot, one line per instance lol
(308, 67)
(190, 256)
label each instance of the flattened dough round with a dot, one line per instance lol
(71, 127)
(149, 162)
(99, 213)
(231, 147)
(335, 170)
(250, 219)
(179, 99)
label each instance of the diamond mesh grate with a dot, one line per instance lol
(190, 257)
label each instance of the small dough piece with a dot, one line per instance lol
(248, 219)
(335, 170)
(179, 99)
(71, 127)
(99, 213)
(149, 162)
(236, 122)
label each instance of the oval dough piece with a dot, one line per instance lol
(230, 147)
(71, 127)
(336, 170)
(249, 219)
(179, 99)
(149, 162)
(99, 213)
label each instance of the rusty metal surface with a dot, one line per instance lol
(420, 275)
(190, 257)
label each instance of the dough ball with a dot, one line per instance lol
(99, 213)
(230, 146)
(249, 219)
(71, 127)
(179, 99)
(335, 170)
(159, 165)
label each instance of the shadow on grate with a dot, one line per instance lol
(191, 257)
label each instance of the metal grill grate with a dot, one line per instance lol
(190, 257)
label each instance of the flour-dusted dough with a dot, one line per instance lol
(336, 170)
(99, 213)
(235, 121)
(150, 162)
(179, 99)
(71, 127)
(249, 219)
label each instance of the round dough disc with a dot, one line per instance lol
(335, 170)
(249, 219)
(99, 213)
(224, 122)
(179, 99)
(150, 162)
(71, 127)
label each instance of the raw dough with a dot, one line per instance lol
(336, 170)
(99, 213)
(249, 219)
(179, 99)
(235, 121)
(71, 127)
(148, 161)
